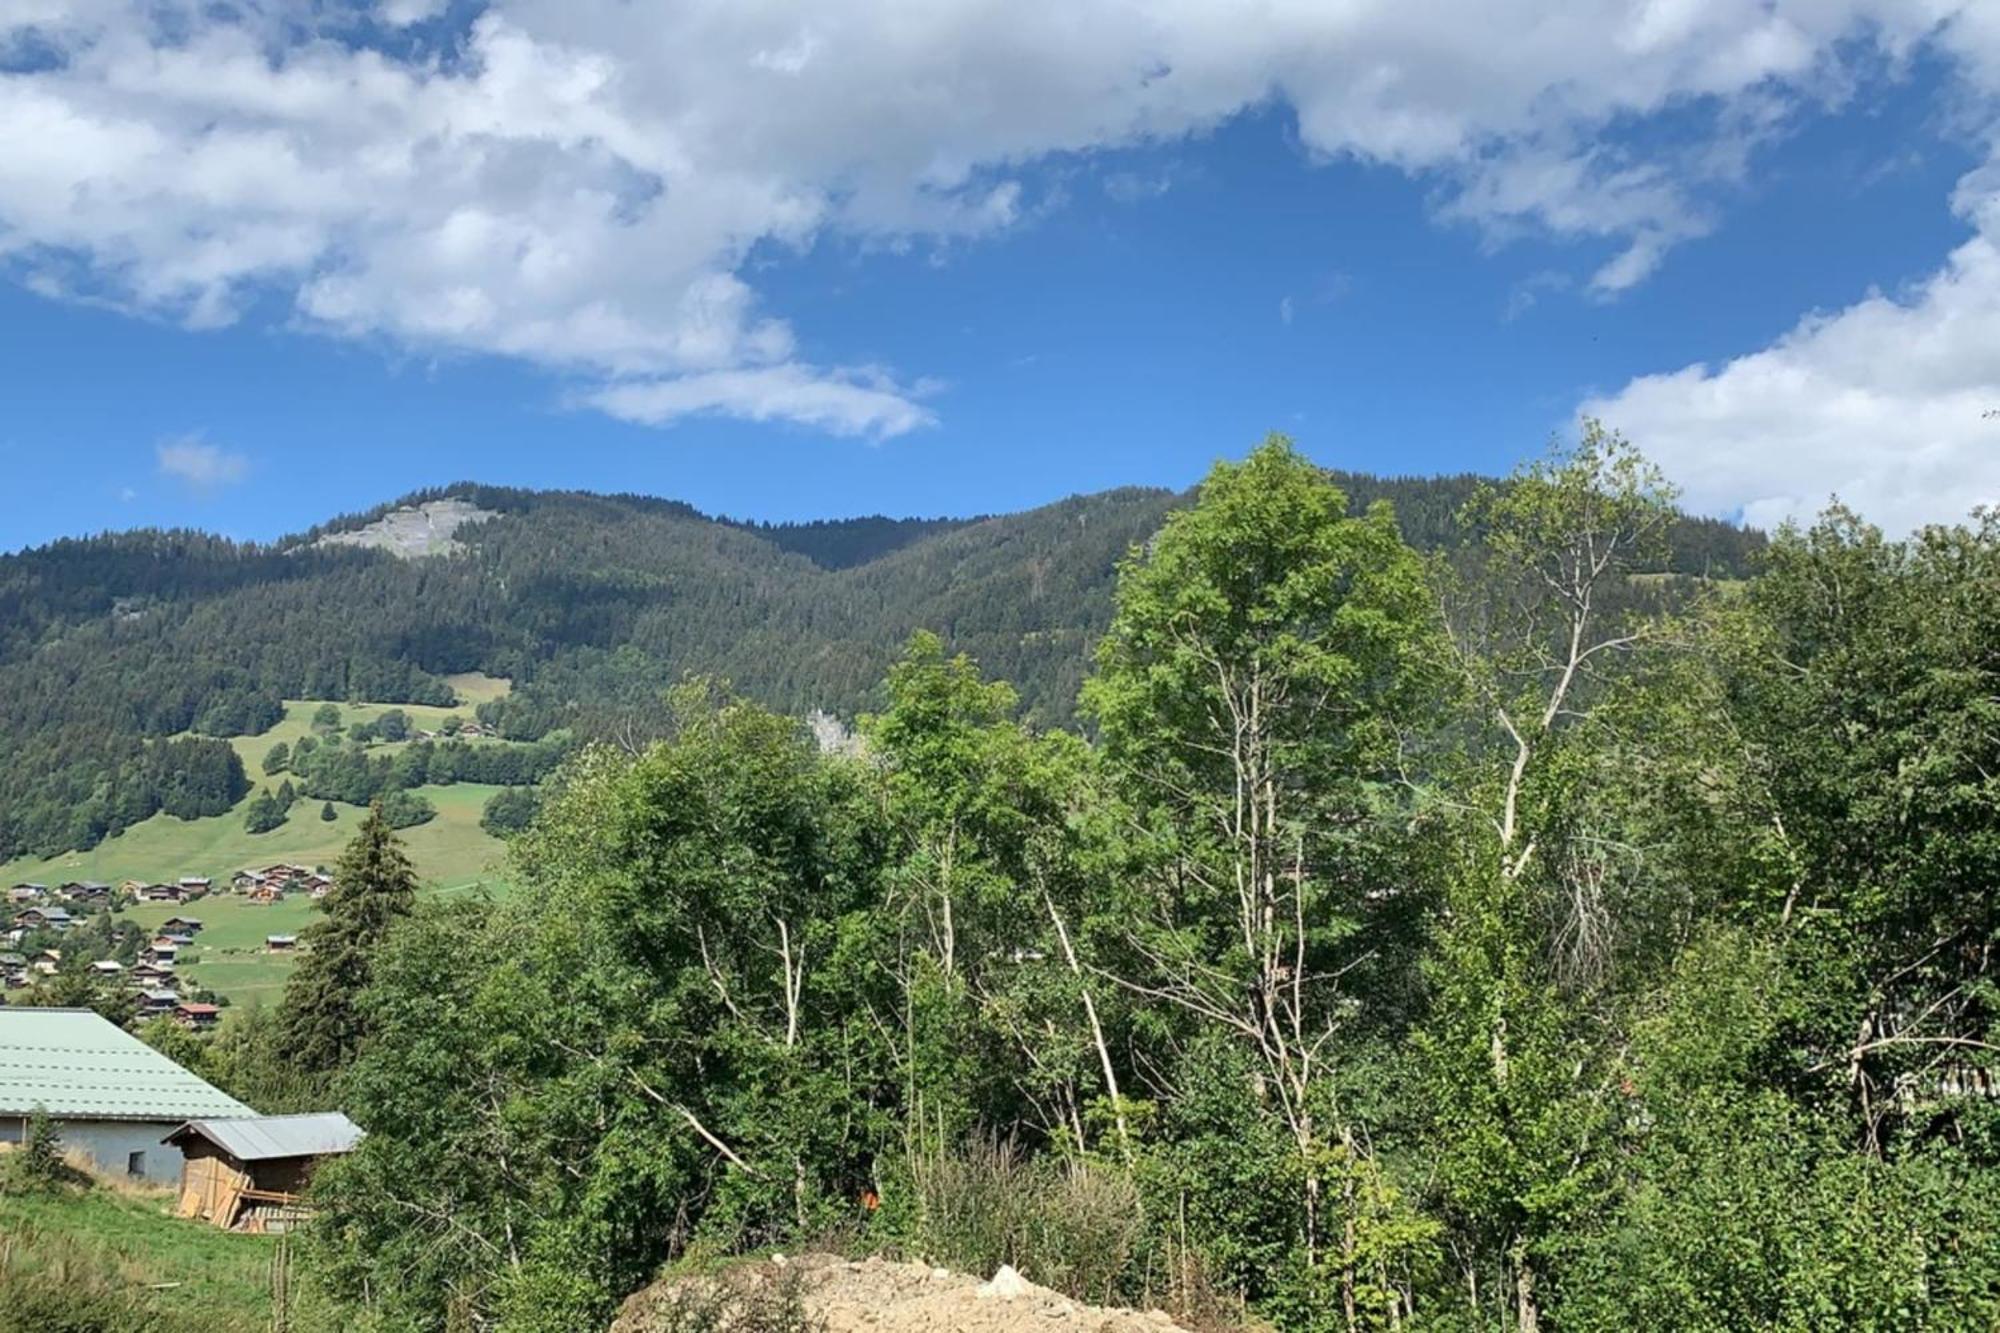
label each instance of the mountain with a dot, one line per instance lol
(123, 656)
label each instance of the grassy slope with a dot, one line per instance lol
(451, 851)
(220, 1281)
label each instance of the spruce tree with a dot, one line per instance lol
(327, 814)
(374, 885)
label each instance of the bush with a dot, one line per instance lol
(38, 1166)
(405, 809)
(1071, 1226)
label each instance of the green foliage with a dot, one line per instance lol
(327, 813)
(405, 809)
(1076, 1227)
(266, 812)
(509, 811)
(277, 759)
(326, 717)
(322, 1021)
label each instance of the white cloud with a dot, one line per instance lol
(582, 183)
(199, 464)
(846, 402)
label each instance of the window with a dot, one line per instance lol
(135, 1164)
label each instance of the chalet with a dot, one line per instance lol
(181, 925)
(89, 892)
(44, 918)
(147, 975)
(160, 953)
(154, 1002)
(158, 893)
(280, 943)
(112, 1096)
(318, 886)
(107, 967)
(251, 1174)
(27, 893)
(197, 1017)
(177, 939)
(46, 962)
(194, 886)
(13, 971)
(267, 893)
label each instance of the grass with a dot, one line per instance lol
(217, 1281)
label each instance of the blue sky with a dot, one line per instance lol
(1023, 300)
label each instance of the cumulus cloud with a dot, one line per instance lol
(199, 464)
(581, 184)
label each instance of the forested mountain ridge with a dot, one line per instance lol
(590, 603)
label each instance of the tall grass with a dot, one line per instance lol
(1071, 1226)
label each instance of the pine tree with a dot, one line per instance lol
(327, 814)
(374, 886)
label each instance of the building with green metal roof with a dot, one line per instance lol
(114, 1097)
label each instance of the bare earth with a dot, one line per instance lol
(884, 1297)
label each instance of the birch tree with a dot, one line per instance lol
(1266, 652)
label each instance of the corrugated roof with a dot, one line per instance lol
(77, 1065)
(264, 1137)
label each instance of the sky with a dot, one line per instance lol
(266, 262)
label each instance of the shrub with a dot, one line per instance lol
(1071, 1226)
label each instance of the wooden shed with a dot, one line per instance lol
(250, 1174)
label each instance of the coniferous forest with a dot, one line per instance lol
(115, 648)
(1467, 938)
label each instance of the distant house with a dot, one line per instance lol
(158, 893)
(46, 962)
(154, 1001)
(280, 943)
(27, 893)
(107, 967)
(251, 1174)
(13, 971)
(318, 886)
(147, 975)
(161, 953)
(194, 886)
(90, 892)
(197, 1017)
(265, 892)
(113, 1097)
(39, 918)
(181, 925)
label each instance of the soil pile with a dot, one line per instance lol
(879, 1296)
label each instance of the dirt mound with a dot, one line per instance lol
(884, 1297)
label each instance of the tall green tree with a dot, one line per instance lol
(1267, 655)
(323, 1021)
(1518, 1058)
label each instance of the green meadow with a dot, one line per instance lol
(450, 851)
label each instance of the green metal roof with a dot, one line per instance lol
(78, 1066)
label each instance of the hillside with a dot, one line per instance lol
(127, 660)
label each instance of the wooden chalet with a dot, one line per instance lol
(251, 1174)
(197, 1017)
(280, 943)
(27, 893)
(158, 893)
(181, 925)
(154, 1001)
(88, 892)
(37, 918)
